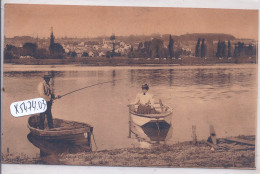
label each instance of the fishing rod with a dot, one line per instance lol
(86, 87)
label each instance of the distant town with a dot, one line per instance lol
(202, 46)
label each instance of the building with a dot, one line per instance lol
(91, 54)
(101, 54)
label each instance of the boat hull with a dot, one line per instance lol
(140, 121)
(56, 146)
(151, 128)
(65, 135)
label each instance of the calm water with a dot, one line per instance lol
(222, 95)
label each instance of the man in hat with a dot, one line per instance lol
(145, 101)
(45, 90)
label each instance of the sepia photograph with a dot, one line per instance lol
(129, 86)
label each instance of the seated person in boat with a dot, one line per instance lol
(145, 102)
(45, 90)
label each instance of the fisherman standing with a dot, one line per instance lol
(145, 101)
(46, 91)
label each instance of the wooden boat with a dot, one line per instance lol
(151, 127)
(74, 134)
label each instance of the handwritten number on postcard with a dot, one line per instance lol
(28, 107)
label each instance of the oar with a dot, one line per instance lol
(85, 88)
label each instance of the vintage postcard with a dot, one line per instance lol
(129, 86)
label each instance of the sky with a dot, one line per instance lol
(92, 21)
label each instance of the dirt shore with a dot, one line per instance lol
(224, 155)
(179, 155)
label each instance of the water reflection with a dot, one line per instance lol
(113, 78)
(171, 71)
(213, 77)
(219, 78)
(131, 76)
(186, 77)
(32, 74)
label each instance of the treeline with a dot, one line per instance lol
(239, 50)
(31, 50)
(201, 48)
(56, 51)
(155, 49)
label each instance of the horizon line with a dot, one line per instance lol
(92, 37)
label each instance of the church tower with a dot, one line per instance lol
(52, 37)
(51, 41)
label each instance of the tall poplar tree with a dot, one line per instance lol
(170, 47)
(197, 49)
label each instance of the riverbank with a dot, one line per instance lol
(123, 61)
(225, 155)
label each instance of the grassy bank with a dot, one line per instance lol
(123, 61)
(224, 155)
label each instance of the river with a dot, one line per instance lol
(221, 95)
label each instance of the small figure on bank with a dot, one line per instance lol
(45, 90)
(145, 102)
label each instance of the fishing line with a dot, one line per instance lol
(89, 87)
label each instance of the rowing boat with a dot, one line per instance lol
(151, 127)
(64, 132)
